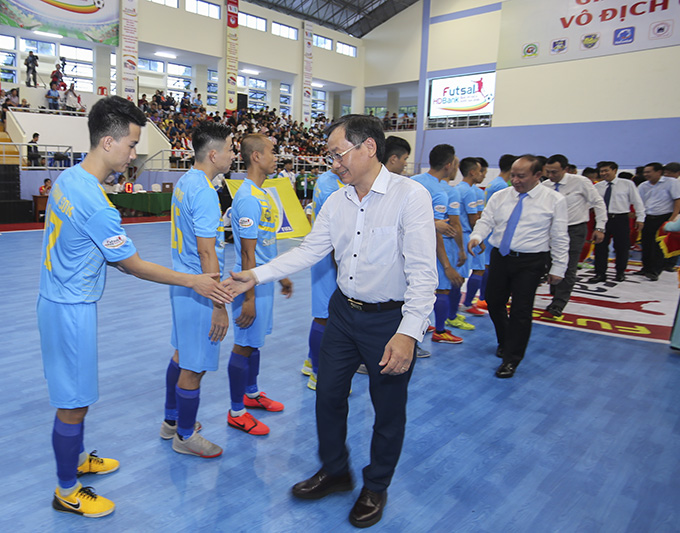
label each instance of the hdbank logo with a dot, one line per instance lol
(624, 35)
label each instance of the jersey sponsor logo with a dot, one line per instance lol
(245, 222)
(115, 242)
(454, 205)
(473, 204)
(440, 208)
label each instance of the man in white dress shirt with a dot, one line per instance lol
(529, 225)
(618, 195)
(581, 198)
(381, 230)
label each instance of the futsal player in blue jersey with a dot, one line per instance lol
(471, 171)
(254, 221)
(441, 164)
(198, 325)
(324, 282)
(499, 183)
(83, 233)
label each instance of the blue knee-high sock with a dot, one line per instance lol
(482, 289)
(454, 302)
(253, 371)
(187, 407)
(66, 441)
(441, 311)
(171, 377)
(315, 336)
(238, 375)
(473, 285)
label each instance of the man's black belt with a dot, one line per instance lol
(372, 307)
(512, 253)
(613, 215)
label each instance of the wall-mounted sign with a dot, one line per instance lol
(462, 95)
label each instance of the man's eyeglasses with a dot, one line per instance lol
(331, 158)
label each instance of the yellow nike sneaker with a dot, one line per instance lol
(97, 465)
(84, 502)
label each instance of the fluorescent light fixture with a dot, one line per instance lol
(249, 71)
(317, 85)
(47, 34)
(166, 54)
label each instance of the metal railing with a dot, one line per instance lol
(469, 121)
(46, 111)
(48, 156)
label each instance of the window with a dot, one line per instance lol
(78, 69)
(284, 31)
(113, 59)
(38, 47)
(79, 54)
(377, 111)
(212, 88)
(203, 8)
(257, 95)
(8, 59)
(212, 76)
(176, 95)
(181, 84)
(318, 95)
(408, 109)
(8, 75)
(241, 81)
(346, 109)
(7, 42)
(113, 73)
(322, 42)
(212, 100)
(257, 106)
(346, 49)
(179, 70)
(257, 84)
(252, 22)
(150, 65)
(318, 103)
(169, 3)
(284, 100)
(81, 85)
(285, 88)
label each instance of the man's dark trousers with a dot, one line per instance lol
(618, 228)
(353, 337)
(517, 276)
(652, 255)
(562, 291)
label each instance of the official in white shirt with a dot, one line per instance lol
(622, 193)
(661, 196)
(529, 225)
(381, 229)
(581, 198)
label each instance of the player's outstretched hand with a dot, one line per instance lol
(206, 285)
(239, 282)
(286, 287)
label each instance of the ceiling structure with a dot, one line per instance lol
(354, 17)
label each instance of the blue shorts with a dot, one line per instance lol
(487, 253)
(324, 283)
(452, 253)
(463, 270)
(191, 322)
(478, 262)
(254, 335)
(68, 340)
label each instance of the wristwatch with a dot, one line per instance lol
(600, 230)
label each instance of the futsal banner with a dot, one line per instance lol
(232, 55)
(87, 20)
(307, 74)
(292, 219)
(534, 32)
(128, 51)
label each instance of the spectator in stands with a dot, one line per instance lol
(33, 155)
(287, 172)
(31, 63)
(46, 187)
(57, 77)
(120, 185)
(72, 100)
(197, 103)
(52, 96)
(13, 97)
(143, 104)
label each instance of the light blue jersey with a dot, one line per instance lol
(324, 274)
(453, 205)
(439, 198)
(82, 232)
(480, 199)
(195, 213)
(478, 262)
(254, 215)
(497, 184)
(468, 205)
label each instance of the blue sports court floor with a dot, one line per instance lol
(584, 438)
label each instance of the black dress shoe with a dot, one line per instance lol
(321, 484)
(640, 273)
(651, 276)
(554, 311)
(597, 278)
(368, 508)
(506, 370)
(499, 352)
(620, 277)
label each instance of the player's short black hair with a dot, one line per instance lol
(112, 116)
(467, 164)
(395, 146)
(205, 134)
(441, 155)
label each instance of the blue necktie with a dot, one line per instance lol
(557, 187)
(504, 248)
(608, 194)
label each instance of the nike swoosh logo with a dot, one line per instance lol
(235, 423)
(74, 506)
